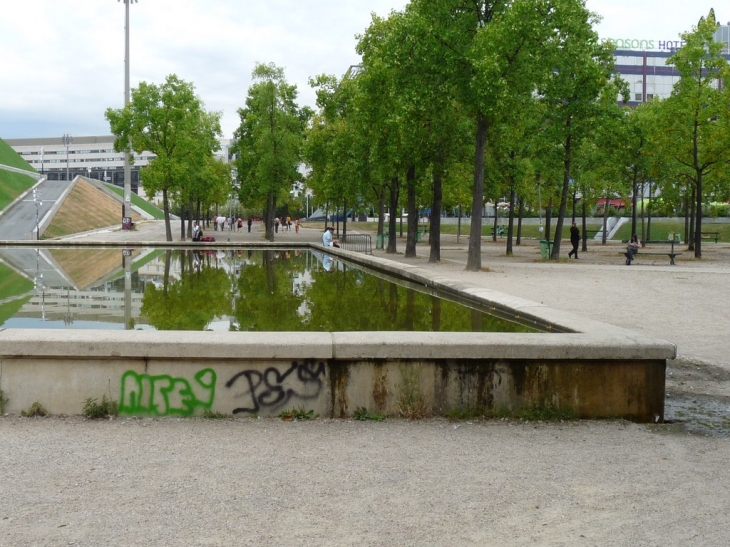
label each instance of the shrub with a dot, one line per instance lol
(36, 409)
(362, 414)
(99, 411)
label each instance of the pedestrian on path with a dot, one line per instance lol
(574, 240)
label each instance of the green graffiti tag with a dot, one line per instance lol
(164, 395)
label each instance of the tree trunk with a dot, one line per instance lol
(604, 236)
(394, 190)
(182, 222)
(584, 246)
(692, 213)
(648, 214)
(564, 195)
(474, 255)
(191, 211)
(344, 218)
(434, 237)
(520, 212)
(635, 188)
(381, 214)
(495, 223)
(166, 210)
(698, 217)
(511, 222)
(412, 212)
(548, 218)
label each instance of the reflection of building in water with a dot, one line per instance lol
(104, 303)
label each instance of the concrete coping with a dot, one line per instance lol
(206, 346)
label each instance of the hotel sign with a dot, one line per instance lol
(633, 43)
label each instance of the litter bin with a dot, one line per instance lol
(419, 237)
(126, 223)
(381, 241)
(546, 249)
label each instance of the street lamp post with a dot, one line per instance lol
(38, 201)
(67, 140)
(41, 160)
(126, 207)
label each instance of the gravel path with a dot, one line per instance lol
(267, 482)
(68, 481)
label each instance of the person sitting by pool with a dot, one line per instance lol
(327, 240)
(631, 249)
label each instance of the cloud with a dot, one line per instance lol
(62, 63)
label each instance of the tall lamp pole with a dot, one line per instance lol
(126, 207)
(66, 140)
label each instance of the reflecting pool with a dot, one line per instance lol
(209, 289)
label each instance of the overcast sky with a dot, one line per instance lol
(62, 61)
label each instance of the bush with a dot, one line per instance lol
(99, 411)
(35, 410)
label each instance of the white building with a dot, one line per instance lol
(92, 157)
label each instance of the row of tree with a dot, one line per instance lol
(458, 103)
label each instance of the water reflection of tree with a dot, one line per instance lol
(267, 301)
(200, 295)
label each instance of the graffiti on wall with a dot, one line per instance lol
(164, 395)
(273, 388)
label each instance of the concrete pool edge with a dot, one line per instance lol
(597, 369)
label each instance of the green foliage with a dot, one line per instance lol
(718, 210)
(3, 401)
(169, 121)
(35, 410)
(297, 414)
(99, 411)
(362, 414)
(410, 401)
(214, 415)
(268, 141)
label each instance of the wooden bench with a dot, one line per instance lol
(671, 254)
(710, 235)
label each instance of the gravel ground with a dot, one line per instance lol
(267, 482)
(68, 481)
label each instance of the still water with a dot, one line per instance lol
(238, 290)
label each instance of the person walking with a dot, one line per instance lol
(249, 222)
(574, 240)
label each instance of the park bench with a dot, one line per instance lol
(710, 235)
(671, 254)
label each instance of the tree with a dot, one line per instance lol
(268, 141)
(696, 117)
(168, 120)
(495, 53)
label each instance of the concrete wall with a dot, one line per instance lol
(184, 373)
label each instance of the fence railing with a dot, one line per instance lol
(360, 243)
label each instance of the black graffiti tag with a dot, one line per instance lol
(274, 388)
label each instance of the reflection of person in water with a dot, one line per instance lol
(327, 263)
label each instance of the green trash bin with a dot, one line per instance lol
(419, 237)
(546, 248)
(381, 241)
